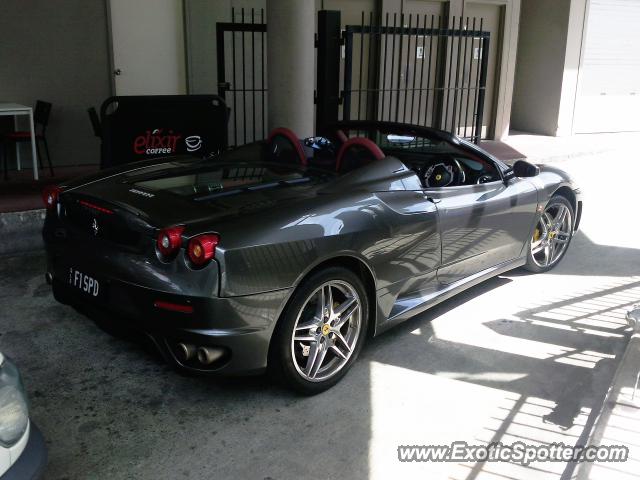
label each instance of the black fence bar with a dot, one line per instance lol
(253, 72)
(454, 56)
(393, 58)
(348, 75)
(399, 74)
(328, 86)
(384, 63)
(439, 75)
(244, 89)
(484, 51)
(264, 91)
(426, 97)
(475, 133)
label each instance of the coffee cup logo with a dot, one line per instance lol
(193, 143)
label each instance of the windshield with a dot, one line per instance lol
(400, 140)
(392, 143)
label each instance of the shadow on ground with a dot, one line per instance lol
(535, 371)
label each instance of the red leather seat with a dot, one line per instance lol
(285, 147)
(356, 152)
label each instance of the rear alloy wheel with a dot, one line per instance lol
(321, 332)
(551, 236)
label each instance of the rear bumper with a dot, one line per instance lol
(33, 460)
(241, 326)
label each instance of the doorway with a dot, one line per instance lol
(147, 47)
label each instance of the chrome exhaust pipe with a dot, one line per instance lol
(49, 278)
(208, 355)
(186, 351)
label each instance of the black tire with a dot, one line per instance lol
(281, 362)
(534, 266)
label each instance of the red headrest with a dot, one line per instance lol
(374, 149)
(293, 138)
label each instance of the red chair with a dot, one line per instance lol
(40, 120)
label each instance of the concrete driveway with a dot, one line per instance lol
(518, 358)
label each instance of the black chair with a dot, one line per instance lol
(95, 122)
(40, 120)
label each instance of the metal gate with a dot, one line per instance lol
(241, 51)
(421, 70)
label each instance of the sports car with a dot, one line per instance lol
(286, 254)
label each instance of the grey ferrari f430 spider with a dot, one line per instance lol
(285, 254)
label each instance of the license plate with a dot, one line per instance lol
(83, 282)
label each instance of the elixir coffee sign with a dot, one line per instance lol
(144, 127)
(156, 141)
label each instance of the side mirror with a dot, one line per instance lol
(522, 168)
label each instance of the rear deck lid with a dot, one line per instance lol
(183, 192)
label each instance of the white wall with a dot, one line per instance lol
(547, 72)
(57, 52)
(540, 65)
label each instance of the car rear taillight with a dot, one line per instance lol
(173, 307)
(50, 196)
(169, 240)
(202, 248)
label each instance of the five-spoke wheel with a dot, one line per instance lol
(551, 236)
(326, 330)
(321, 331)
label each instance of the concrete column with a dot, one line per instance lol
(572, 59)
(291, 66)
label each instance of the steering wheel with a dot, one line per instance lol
(443, 174)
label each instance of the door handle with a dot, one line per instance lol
(117, 71)
(434, 200)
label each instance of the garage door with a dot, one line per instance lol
(609, 96)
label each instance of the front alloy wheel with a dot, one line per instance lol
(321, 331)
(551, 236)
